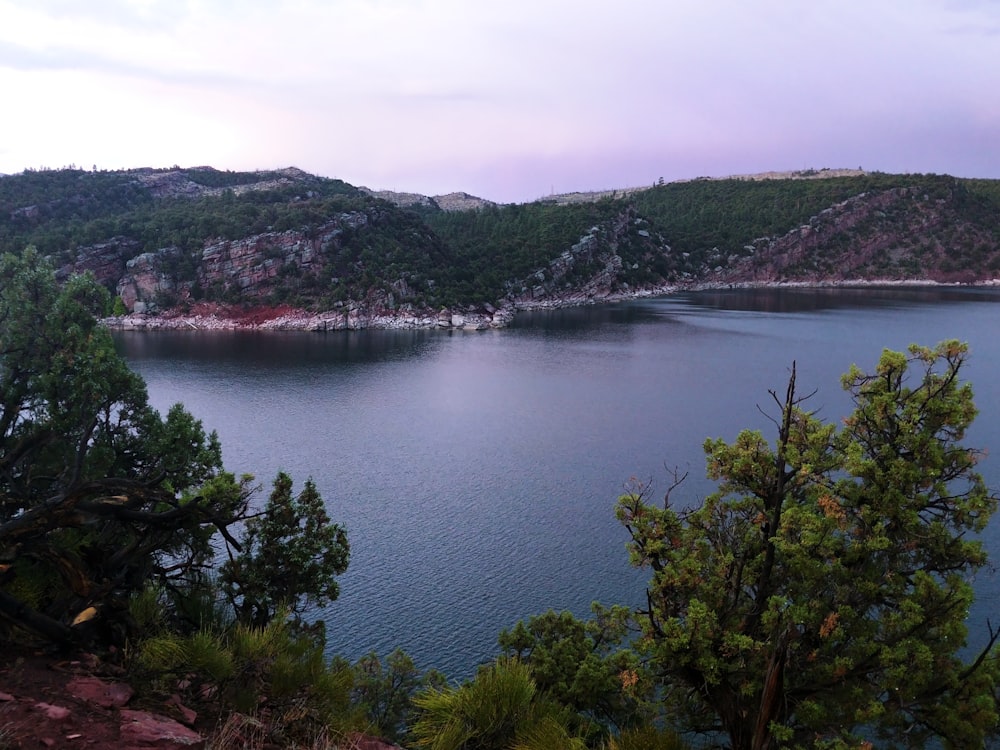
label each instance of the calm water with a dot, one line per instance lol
(476, 472)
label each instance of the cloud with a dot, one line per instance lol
(417, 92)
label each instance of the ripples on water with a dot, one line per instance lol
(476, 472)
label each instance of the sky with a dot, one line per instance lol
(511, 100)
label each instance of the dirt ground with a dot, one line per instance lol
(38, 710)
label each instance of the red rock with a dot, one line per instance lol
(143, 728)
(6, 697)
(99, 692)
(187, 715)
(53, 713)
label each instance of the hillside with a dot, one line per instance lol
(251, 245)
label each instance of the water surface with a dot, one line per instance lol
(476, 472)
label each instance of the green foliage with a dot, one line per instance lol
(646, 737)
(501, 709)
(821, 592)
(502, 244)
(106, 507)
(291, 555)
(384, 691)
(203, 653)
(362, 249)
(95, 486)
(700, 215)
(585, 665)
(246, 669)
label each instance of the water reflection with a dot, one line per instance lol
(584, 321)
(811, 299)
(275, 349)
(575, 320)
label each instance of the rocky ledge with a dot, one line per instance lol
(219, 317)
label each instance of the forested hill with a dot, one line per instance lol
(176, 239)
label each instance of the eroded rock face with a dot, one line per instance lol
(177, 184)
(458, 201)
(249, 265)
(598, 252)
(149, 281)
(106, 261)
(247, 269)
(890, 235)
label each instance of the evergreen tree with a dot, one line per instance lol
(102, 498)
(291, 555)
(820, 595)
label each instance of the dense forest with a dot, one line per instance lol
(175, 237)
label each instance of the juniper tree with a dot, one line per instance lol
(100, 495)
(819, 598)
(290, 556)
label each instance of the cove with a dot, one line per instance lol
(476, 472)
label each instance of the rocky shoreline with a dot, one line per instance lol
(303, 320)
(232, 318)
(215, 317)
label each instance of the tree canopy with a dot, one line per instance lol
(100, 495)
(291, 555)
(585, 665)
(819, 597)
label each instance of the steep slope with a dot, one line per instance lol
(164, 238)
(941, 232)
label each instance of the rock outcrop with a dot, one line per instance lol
(892, 235)
(245, 268)
(215, 317)
(180, 248)
(458, 201)
(105, 260)
(175, 183)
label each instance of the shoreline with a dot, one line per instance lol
(209, 317)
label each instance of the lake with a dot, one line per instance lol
(476, 472)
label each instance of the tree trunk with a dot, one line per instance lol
(52, 630)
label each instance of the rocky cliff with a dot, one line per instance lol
(898, 234)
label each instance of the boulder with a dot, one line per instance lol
(52, 712)
(100, 693)
(141, 728)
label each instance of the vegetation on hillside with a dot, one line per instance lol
(366, 251)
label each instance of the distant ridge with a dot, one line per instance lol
(287, 248)
(460, 201)
(801, 174)
(457, 201)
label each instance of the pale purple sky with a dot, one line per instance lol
(510, 100)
